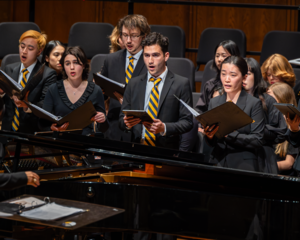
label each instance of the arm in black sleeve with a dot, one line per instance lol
(255, 138)
(9, 181)
(293, 138)
(99, 106)
(48, 105)
(125, 105)
(185, 121)
(50, 79)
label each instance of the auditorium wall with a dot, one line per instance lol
(56, 17)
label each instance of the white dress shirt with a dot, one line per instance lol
(30, 69)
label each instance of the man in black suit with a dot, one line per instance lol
(154, 92)
(17, 116)
(123, 65)
(9, 181)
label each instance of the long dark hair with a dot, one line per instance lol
(260, 85)
(231, 47)
(48, 49)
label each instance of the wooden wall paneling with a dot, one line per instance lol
(6, 11)
(20, 11)
(114, 11)
(57, 17)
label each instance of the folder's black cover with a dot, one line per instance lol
(109, 86)
(228, 116)
(78, 119)
(285, 108)
(142, 114)
(10, 86)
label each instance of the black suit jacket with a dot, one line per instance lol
(114, 68)
(177, 118)
(239, 148)
(28, 121)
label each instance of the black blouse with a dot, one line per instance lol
(290, 151)
(206, 95)
(58, 103)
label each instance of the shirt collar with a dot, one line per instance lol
(136, 56)
(30, 68)
(162, 76)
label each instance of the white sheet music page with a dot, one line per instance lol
(29, 202)
(51, 211)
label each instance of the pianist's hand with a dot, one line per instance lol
(131, 121)
(32, 179)
(156, 127)
(119, 97)
(210, 131)
(63, 127)
(19, 103)
(99, 117)
(294, 124)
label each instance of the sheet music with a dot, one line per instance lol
(29, 202)
(56, 118)
(295, 61)
(51, 211)
(16, 84)
(192, 110)
(112, 81)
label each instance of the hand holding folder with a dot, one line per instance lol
(228, 117)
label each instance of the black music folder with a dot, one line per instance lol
(78, 119)
(12, 87)
(286, 108)
(228, 116)
(109, 86)
(142, 114)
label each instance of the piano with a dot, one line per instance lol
(181, 195)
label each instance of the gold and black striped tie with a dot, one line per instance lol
(129, 70)
(152, 110)
(16, 121)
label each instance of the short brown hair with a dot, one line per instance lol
(81, 58)
(279, 66)
(135, 21)
(156, 38)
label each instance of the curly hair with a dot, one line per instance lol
(156, 38)
(79, 54)
(135, 21)
(114, 37)
(279, 66)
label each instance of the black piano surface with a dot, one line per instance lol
(204, 201)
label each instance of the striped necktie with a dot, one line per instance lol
(152, 110)
(15, 122)
(129, 70)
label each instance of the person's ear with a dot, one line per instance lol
(167, 55)
(39, 52)
(47, 59)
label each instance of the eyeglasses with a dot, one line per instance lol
(132, 37)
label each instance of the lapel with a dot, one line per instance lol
(15, 72)
(142, 90)
(242, 100)
(121, 63)
(139, 66)
(35, 70)
(222, 99)
(168, 82)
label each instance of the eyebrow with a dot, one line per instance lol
(28, 45)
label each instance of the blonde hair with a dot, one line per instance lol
(40, 37)
(114, 40)
(279, 67)
(284, 94)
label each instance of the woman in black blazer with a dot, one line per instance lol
(239, 148)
